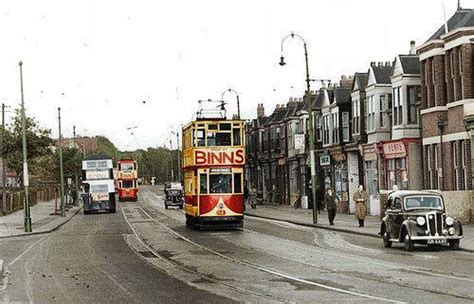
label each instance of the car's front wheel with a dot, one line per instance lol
(454, 244)
(409, 244)
(386, 240)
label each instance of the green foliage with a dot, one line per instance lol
(155, 162)
(38, 142)
(104, 145)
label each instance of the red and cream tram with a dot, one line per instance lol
(127, 180)
(213, 166)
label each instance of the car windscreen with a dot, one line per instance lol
(423, 202)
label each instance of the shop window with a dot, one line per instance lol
(397, 173)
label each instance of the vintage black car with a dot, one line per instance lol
(419, 217)
(174, 195)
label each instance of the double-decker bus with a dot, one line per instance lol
(98, 191)
(213, 166)
(127, 179)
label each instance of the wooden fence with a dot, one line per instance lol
(16, 197)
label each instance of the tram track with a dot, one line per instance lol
(345, 255)
(268, 270)
(188, 270)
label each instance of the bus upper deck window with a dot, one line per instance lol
(203, 183)
(201, 141)
(236, 133)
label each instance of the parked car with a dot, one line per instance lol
(174, 195)
(419, 217)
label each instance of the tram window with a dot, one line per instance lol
(224, 126)
(220, 183)
(127, 184)
(211, 138)
(203, 183)
(212, 127)
(223, 139)
(201, 141)
(237, 182)
(236, 137)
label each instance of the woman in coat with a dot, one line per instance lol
(360, 198)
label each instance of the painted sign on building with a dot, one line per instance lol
(394, 150)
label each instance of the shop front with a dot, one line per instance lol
(371, 167)
(340, 182)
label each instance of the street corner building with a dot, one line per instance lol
(403, 124)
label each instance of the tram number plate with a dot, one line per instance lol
(220, 212)
(437, 242)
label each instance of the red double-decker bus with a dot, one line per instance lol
(213, 166)
(127, 179)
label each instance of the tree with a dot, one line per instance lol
(38, 143)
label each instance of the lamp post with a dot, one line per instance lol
(4, 164)
(172, 162)
(238, 101)
(61, 172)
(177, 155)
(76, 178)
(26, 182)
(310, 120)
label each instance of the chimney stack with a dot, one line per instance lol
(412, 48)
(260, 110)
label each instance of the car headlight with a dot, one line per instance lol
(449, 221)
(420, 220)
(451, 230)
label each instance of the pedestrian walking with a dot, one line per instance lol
(330, 202)
(246, 194)
(360, 199)
(275, 196)
(253, 198)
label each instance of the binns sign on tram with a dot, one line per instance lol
(219, 156)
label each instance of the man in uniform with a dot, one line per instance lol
(360, 198)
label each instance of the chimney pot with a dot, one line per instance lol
(412, 48)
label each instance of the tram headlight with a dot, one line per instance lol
(420, 220)
(449, 221)
(451, 230)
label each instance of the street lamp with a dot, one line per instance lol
(310, 120)
(26, 182)
(177, 153)
(238, 101)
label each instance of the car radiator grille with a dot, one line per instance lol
(435, 223)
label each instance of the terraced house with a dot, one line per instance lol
(447, 89)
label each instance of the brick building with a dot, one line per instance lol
(447, 88)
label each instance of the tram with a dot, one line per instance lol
(127, 179)
(213, 167)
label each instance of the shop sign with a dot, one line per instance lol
(394, 150)
(324, 160)
(370, 156)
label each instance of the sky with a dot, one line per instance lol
(134, 70)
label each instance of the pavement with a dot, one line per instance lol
(43, 220)
(343, 222)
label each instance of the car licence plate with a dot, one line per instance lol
(437, 241)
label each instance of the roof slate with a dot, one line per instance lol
(361, 79)
(343, 95)
(382, 73)
(410, 64)
(462, 18)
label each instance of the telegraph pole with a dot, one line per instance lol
(76, 179)
(172, 162)
(4, 164)
(26, 182)
(61, 172)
